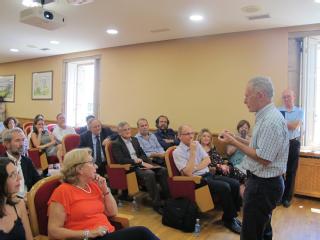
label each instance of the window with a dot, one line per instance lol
(310, 91)
(81, 90)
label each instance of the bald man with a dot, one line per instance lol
(294, 117)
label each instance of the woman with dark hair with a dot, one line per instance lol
(80, 206)
(43, 140)
(11, 122)
(235, 155)
(14, 222)
(218, 165)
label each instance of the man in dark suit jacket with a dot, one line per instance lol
(126, 149)
(84, 129)
(13, 140)
(96, 139)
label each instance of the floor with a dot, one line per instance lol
(301, 221)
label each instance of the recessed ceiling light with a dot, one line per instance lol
(317, 1)
(31, 3)
(14, 50)
(54, 42)
(196, 18)
(112, 31)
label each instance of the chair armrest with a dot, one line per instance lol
(123, 219)
(124, 166)
(195, 179)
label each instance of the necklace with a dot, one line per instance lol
(86, 191)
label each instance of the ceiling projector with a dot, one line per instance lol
(43, 18)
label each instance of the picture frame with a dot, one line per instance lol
(42, 83)
(7, 88)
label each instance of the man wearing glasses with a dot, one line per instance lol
(192, 160)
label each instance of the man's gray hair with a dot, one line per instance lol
(7, 135)
(263, 84)
(122, 124)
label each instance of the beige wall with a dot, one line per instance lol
(199, 81)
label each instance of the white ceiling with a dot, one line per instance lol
(86, 24)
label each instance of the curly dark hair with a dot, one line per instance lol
(8, 119)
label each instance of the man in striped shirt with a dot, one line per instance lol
(265, 162)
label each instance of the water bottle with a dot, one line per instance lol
(135, 206)
(120, 204)
(197, 228)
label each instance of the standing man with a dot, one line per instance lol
(165, 135)
(265, 162)
(293, 116)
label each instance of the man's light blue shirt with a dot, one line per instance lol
(181, 157)
(150, 145)
(296, 114)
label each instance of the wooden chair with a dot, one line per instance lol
(69, 142)
(3, 149)
(187, 187)
(51, 126)
(37, 201)
(25, 125)
(28, 130)
(40, 160)
(119, 175)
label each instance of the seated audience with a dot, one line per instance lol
(166, 136)
(149, 142)
(13, 140)
(218, 165)
(191, 159)
(44, 140)
(127, 150)
(79, 207)
(61, 129)
(96, 139)
(235, 155)
(14, 221)
(83, 129)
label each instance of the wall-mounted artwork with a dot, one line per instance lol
(7, 84)
(42, 85)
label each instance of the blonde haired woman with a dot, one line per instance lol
(79, 207)
(217, 162)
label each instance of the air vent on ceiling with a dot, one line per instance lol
(79, 2)
(160, 30)
(258, 17)
(44, 49)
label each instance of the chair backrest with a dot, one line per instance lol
(171, 166)
(70, 141)
(108, 150)
(2, 149)
(38, 198)
(28, 130)
(26, 124)
(51, 126)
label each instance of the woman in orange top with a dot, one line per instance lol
(79, 207)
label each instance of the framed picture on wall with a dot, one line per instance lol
(7, 84)
(42, 85)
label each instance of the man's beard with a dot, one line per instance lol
(17, 152)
